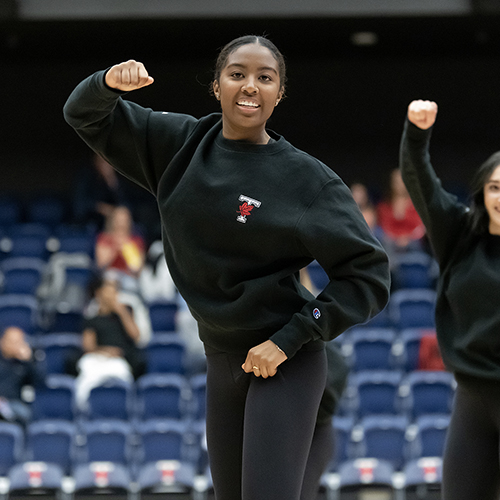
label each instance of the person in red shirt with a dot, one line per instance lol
(119, 250)
(400, 223)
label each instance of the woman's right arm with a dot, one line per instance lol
(441, 212)
(137, 141)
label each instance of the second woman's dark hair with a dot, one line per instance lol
(479, 215)
(235, 44)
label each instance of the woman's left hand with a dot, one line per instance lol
(263, 360)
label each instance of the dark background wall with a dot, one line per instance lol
(346, 102)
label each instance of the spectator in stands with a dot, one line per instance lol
(362, 198)
(119, 252)
(109, 342)
(97, 192)
(18, 368)
(400, 224)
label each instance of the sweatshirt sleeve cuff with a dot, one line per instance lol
(292, 337)
(416, 133)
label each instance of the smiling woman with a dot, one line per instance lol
(268, 211)
(248, 88)
(466, 242)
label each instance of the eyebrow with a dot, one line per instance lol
(262, 68)
(493, 181)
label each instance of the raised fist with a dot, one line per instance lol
(422, 113)
(127, 76)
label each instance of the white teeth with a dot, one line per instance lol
(248, 103)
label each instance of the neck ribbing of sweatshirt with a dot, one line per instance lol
(275, 145)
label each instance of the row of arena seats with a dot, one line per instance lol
(68, 444)
(26, 312)
(408, 308)
(379, 392)
(151, 396)
(172, 395)
(367, 393)
(40, 241)
(364, 349)
(151, 475)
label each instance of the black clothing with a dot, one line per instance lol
(109, 331)
(467, 308)
(270, 461)
(15, 374)
(471, 466)
(338, 372)
(239, 221)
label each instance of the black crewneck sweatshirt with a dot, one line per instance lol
(468, 304)
(239, 220)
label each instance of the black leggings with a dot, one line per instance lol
(320, 455)
(471, 459)
(259, 431)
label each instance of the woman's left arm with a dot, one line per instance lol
(333, 231)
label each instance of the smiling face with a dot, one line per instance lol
(248, 88)
(492, 201)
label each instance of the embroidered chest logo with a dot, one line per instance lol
(245, 209)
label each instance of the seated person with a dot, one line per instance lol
(109, 342)
(17, 369)
(119, 250)
(402, 228)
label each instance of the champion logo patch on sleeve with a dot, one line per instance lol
(316, 313)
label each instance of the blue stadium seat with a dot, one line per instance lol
(169, 479)
(165, 354)
(102, 480)
(19, 310)
(66, 321)
(163, 439)
(51, 441)
(113, 399)
(382, 437)
(47, 209)
(412, 308)
(375, 392)
(11, 445)
(74, 239)
(21, 275)
(413, 269)
(407, 347)
(161, 395)
(318, 275)
(423, 479)
(41, 480)
(366, 478)
(342, 428)
(426, 392)
(428, 435)
(163, 316)
(107, 440)
(60, 349)
(56, 399)
(198, 404)
(27, 240)
(369, 348)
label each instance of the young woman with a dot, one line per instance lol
(466, 242)
(242, 212)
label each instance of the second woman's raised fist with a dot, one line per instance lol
(129, 75)
(422, 113)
